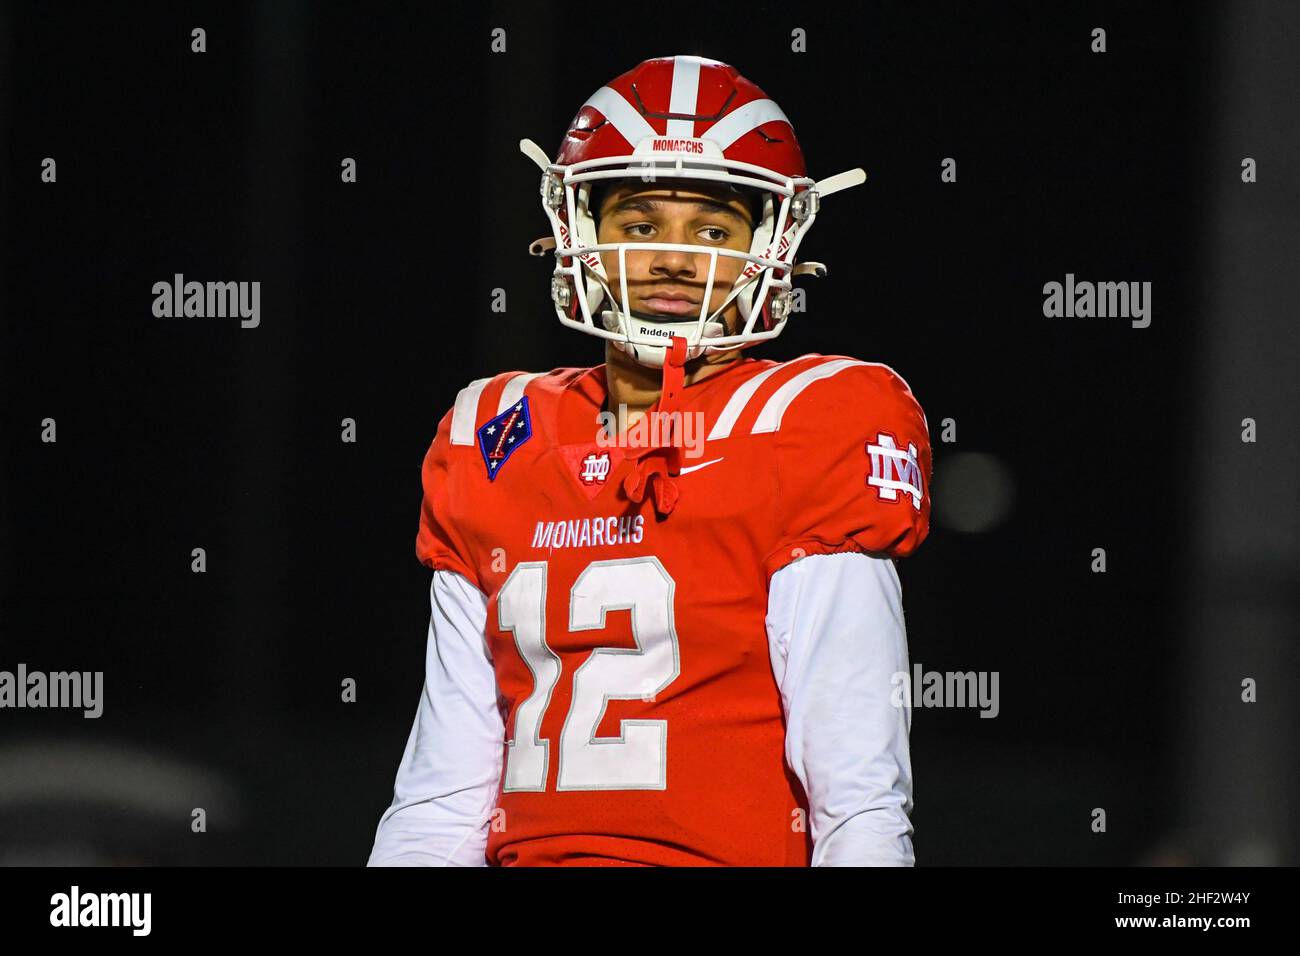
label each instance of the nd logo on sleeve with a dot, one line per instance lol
(499, 438)
(894, 470)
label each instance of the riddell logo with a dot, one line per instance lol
(655, 331)
(754, 267)
(590, 258)
(677, 146)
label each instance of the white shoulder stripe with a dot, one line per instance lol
(464, 416)
(465, 413)
(769, 419)
(736, 404)
(514, 390)
(630, 124)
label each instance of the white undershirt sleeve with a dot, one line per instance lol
(447, 781)
(837, 642)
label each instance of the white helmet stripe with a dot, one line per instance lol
(630, 124)
(685, 95)
(464, 416)
(736, 124)
(769, 419)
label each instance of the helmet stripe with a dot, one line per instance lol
(631, 125)
(685, 94)
(741, 120)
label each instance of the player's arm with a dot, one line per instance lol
(837, 640)
(853, 459)
(447, 781)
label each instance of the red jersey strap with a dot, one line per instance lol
(656, 467)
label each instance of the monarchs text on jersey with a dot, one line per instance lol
(643, 722)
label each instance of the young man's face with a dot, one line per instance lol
(670, 285)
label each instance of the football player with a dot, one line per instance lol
(646, 649)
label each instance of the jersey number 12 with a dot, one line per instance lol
(637, 759)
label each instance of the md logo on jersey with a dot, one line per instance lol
(499, 438)
(894, 470)
(595, 469)
(590, 465)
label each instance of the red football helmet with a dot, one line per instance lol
(690, 118)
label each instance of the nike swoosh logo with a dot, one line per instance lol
(703, 464)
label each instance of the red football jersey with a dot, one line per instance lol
(643, 722)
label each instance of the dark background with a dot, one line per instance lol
(222, 690)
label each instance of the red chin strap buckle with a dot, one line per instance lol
(673, 372)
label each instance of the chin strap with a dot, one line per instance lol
(656, 467)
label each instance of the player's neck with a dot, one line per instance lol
(637, 386)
